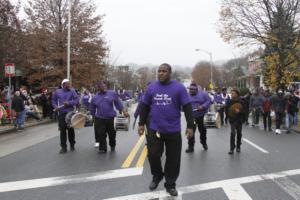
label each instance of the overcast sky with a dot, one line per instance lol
(157, 31)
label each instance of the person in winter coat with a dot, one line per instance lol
(290, 109)
(266, 109)
(279, 107)
(19, 107)
(256, 104)
(236, 114)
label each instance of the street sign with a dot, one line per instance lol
(9, 69)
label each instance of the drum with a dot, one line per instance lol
(68, 118)
(78, 120)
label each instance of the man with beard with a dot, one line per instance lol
(64, 100)
(200, 102)
(166, 98)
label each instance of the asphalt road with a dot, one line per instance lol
(268, 167)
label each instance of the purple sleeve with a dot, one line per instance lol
(75, 100)
(207, 101)
(93, 108)
(184, 98)
(118, 103)
(54, 100)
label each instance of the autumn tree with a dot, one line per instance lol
(201, 75)
(47, 24)
(271, 23)
(11, 40)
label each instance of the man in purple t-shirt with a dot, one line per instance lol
(102, 110)
(200, 102)
(165, 98)
(64, 100)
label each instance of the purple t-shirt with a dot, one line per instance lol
(165, 102)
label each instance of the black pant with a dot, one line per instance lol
(279, 117)
(202, 130)
(63, 131)
(236, 129)
(173, 144)
(104, 127)
(255, 117)
(45, 110)
(267, 118)
(222, 112)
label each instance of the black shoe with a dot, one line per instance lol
(63, 150)
(102, 151)
(189, 150)
(205, 147)
(112, 148)
(72, 148)
(270, 130)
(154, 183)
(238, 150)
(172, 191)
(230, 152)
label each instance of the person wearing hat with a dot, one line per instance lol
(200, 102)
(102, 110)
(220, 99)
(237, 116)
(64, 100)
(279, 107)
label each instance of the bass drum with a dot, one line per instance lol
(68, 118)
(78, 120)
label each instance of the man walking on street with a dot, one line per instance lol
(64, 100)
(200, 102)
(267, 105)
(256, 104)
(237, 116)
(279, 106)
(102, 110)
(166, 98)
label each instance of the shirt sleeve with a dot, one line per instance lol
(207, 102)
(148, 97)
(74, 99)
(118, 103)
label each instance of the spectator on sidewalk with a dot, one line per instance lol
(279, 106)
(19, 107)
(44, 100)
(290, 109)
(296, 100)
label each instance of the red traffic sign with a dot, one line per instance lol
(10, 69)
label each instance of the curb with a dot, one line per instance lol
(12, 129)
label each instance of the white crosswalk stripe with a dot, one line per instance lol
(232, 187)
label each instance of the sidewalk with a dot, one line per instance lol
(10, 127)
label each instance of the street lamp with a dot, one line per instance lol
(69, 40)
(211, 64)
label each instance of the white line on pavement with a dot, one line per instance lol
(65, 180)
(289, 187)
(236, 192)
(255, 146)
(210, 186)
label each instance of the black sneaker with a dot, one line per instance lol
(189, 150)
(172, 191)
(112, 148)
(102, 151)
(154, 183)
(230, 152)
(63, 151)
(72, 148)
(205, 147)
(238, 150)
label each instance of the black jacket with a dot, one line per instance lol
(18, 104)
(234, 117)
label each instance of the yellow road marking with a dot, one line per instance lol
(133, 152)
(141, 161)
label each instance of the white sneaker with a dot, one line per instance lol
(276, 131)
(279, 131)
(96, 145)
